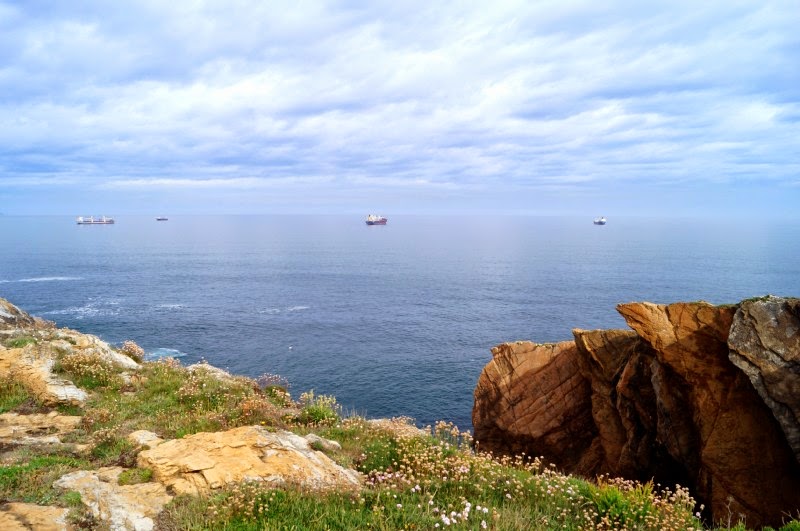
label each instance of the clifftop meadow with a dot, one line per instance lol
(92, 436)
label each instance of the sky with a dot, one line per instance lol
(563, 107)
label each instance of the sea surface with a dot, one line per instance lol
(392, 320)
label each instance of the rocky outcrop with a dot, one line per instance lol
(765, 344)
(33, 363)
(532, 398)
(27, 516)
(663, 401)
(122, 507)
(12, 317)
(207, 461)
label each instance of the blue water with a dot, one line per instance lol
(394, 320)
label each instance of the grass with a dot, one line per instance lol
(13, 394)
(426, 482)
(20, 341)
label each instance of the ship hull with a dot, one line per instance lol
(379, 222)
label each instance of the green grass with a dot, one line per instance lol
(19, 342)
(30, 480)
(12, 394)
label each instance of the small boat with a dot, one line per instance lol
(599, 221)
(162, 218)
(91, 220)
(374, 219)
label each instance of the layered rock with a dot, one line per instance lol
(664, 401)
(203, 462)
(532, 398)
(33, 364)
(122, 507)
(765, 343)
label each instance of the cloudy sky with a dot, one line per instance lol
(538, 107)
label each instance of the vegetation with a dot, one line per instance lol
(20, 341)
(432, 481)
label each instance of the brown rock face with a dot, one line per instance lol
(663, 401)
(765, 343)
(532, 398)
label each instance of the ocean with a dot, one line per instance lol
(392, 320)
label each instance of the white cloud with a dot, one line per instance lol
(249, 94)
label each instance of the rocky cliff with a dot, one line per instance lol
(699, 395)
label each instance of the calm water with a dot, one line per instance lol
(394, 320)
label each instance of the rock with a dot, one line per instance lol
(122, 507)
(532, 398)
(145, 439)
(26, 516)
(12, 317)
(765, 343)
(663, 402)
(35, 429)
(325, 444)
(33, 366)
(206, 461)
(725, 434)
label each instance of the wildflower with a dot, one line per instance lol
(483, 524)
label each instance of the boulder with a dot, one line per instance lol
(120, 507)
(764, 343)
(206, 461)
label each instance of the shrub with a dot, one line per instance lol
(89, 370)
(133, 351)
(319, 410)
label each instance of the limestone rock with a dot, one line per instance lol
(144, 438)
(35, 429)
(206, 461)
(33, 366)
(326, 444)
(532, 398)
(122, 507)
(26, 516)
(765, 343)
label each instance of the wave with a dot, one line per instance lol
(91, 309)
(170, 306)
(41, 279)
(273, 311)
(162, 352)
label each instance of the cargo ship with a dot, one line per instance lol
(374, 219)
(91, 220)
(599, 221)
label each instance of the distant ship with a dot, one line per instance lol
(374, 219)
(599, 221)
(91, 220)
(161, 218)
